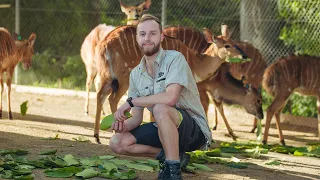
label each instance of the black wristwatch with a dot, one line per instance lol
(129, 100)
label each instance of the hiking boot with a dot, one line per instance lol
(184, 161)
(170, 172)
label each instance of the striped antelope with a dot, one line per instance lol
(12, 52)
(256, 66)
(287, 75)
(225, 88)
(191, 37)
(119, 53)
(96, 35)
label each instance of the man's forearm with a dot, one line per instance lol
(132, 123)
(150, 101)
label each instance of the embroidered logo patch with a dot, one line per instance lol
(160, 74)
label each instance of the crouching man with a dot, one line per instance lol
(164, 84)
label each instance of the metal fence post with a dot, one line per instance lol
(163, 13)
(17, 30)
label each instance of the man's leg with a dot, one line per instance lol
(168, 119)
(125, 143)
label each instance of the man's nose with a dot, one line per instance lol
(147, 37)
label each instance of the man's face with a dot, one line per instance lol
(149, 37)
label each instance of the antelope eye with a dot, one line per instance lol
(129, 11)
(227, 46)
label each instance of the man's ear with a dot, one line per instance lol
(162, 37)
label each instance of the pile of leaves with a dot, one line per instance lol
(15, 165)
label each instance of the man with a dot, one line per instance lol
(164, 84)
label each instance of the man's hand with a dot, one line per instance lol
(119, 114)
(119, 126)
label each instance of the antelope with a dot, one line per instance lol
(287, 75)
(89, 44)
(250, 72)
(223, 87)
(119, 53)
(12, 52)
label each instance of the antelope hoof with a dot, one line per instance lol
(97, 138)
(1, 114)
(282, 142)
(264, 142)
(214, 128)
(86, 113)
(10, 116)
(253, 129)
(234, 137)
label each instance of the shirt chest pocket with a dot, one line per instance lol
(159, 86)
(146, 91)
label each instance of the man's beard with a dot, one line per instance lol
(152, 51)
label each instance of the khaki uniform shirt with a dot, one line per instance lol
(170, 67)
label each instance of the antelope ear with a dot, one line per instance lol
(208, 35)
(32, 38)
(146, 5)
(123, 7)
(225, 31)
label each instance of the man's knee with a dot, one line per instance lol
(116, 144)
(160, 111)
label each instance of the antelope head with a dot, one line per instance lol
(253, 102)
(222, 45)
(26, 49)
(134, 13)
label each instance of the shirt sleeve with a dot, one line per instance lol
(133, 91)
(178, 71)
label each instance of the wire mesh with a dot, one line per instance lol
(275, 27)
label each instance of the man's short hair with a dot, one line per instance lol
(147, 17)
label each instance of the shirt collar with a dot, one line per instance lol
(159, 58)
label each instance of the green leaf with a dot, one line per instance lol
(237, 165)
(70, 160)
(214, 152)
(49, 152)
(62, 172)
(141, 167)
(108, 120)
(109, 166)
(237, 60)
(25, 167)
(24, 108)
(51, 138)
(274, 162)
(7, 174)
(191, 169)
(88, 173)
(253, 153)
(92, 161)
(297, 153)
(259, 130)
(18, 152)
(202, 167)
(18, 172)
(106, 157)
(24, 177)
(81, 139)
(119, 161)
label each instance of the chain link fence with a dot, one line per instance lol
(275, 27)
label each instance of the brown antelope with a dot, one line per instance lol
(224, 88)
(252, 71)
(119, 53)
(11, 52)
(134, 12)
(191, 37)
(287, 75)
(94, 37)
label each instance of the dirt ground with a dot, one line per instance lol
(64, 115)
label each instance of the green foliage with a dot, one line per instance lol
(300, 105)
(301, 28)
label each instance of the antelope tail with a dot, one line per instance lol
(269, 79)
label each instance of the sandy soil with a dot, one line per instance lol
(64, 115)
